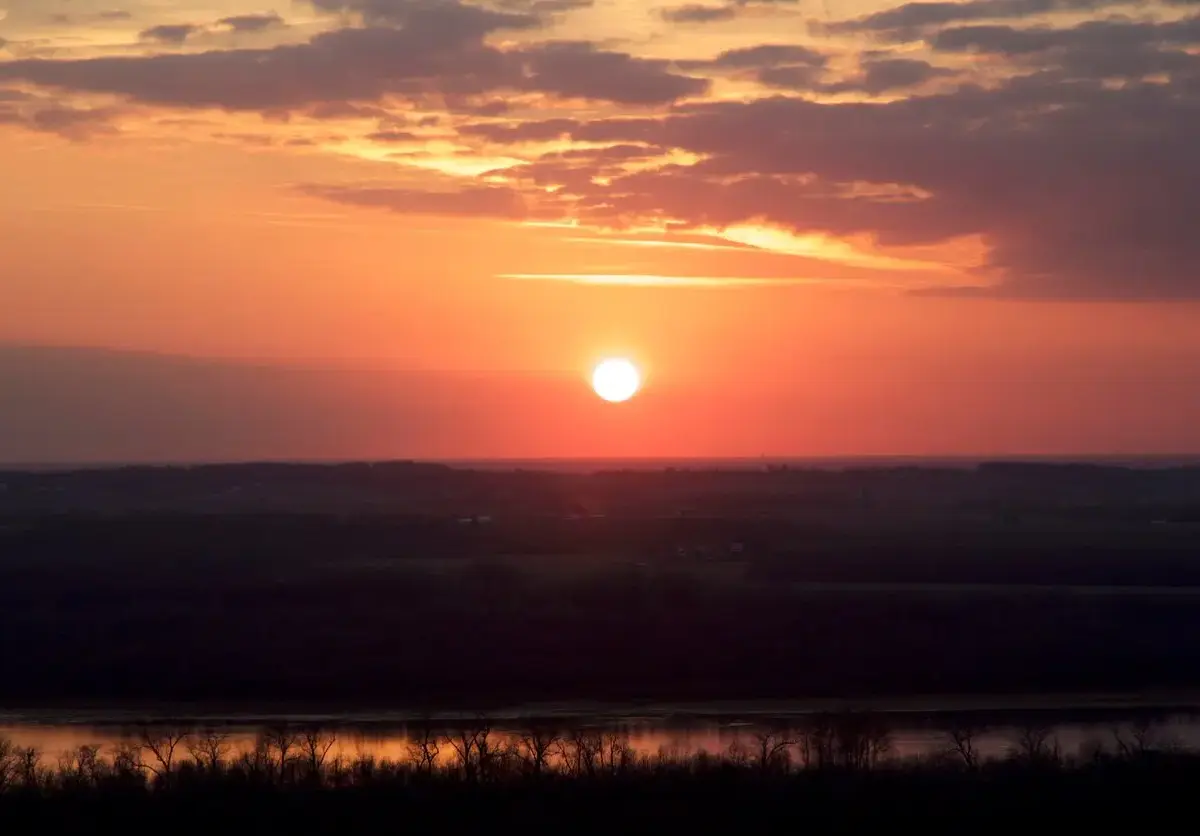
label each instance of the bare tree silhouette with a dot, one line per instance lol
(281, 744)
(80, 767)
(615, 753)
(10, 764)
(1135, 739)
(470, 744)
(818, 742)
(1036, 744)
(737, 754)
(424, 747)
(863, 740)
(963, 743)
(29, 768)
(127, 761)
(849, 740)
(772, 750)
(579, 751)
(162, 745)
(209, 748)
(534, 746)
(315, 746)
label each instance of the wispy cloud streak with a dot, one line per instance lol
(653, 280)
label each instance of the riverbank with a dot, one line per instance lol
(1181, 701)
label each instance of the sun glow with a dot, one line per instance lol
(616, 379)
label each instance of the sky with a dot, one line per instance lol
(239, 229)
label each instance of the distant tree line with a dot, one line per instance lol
(829, 769)
(1067, 491)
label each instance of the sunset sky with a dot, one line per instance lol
(409, 228)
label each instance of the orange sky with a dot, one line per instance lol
(923, 232)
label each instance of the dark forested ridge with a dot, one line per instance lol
(406, 584)
(1012, 488)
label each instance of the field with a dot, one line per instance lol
(429, 587)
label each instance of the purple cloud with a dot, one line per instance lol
(432, 55)
(170, 33)
(252, 23)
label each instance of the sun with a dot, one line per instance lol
(616, 379)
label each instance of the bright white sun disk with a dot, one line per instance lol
(616, 379)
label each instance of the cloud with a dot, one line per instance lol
(342, 65)
(1093, 199)
(644, 130)
(1078, 189)
(76, 124)
(574, 170)
(1091, 51)
(252, 22)
(908, 20)
(703, 13)
(436, 53)
(173, 33)
(479, 201)
(775, 65)
(512, 133)
(797, 67)
(578, 69)
(393, 136)
(345, 110)
(766, 55)
(1073, 185)
(43, 115)
(656, 280)
(1092, 35)
(107, 16)
(436, 15)
(792, 78)
(544, 7)
(610, 153)
(885, 75)
(492, 107)
(694, 13)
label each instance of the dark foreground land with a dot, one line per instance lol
(422, 586)
(833, 776)
(1090, 798)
